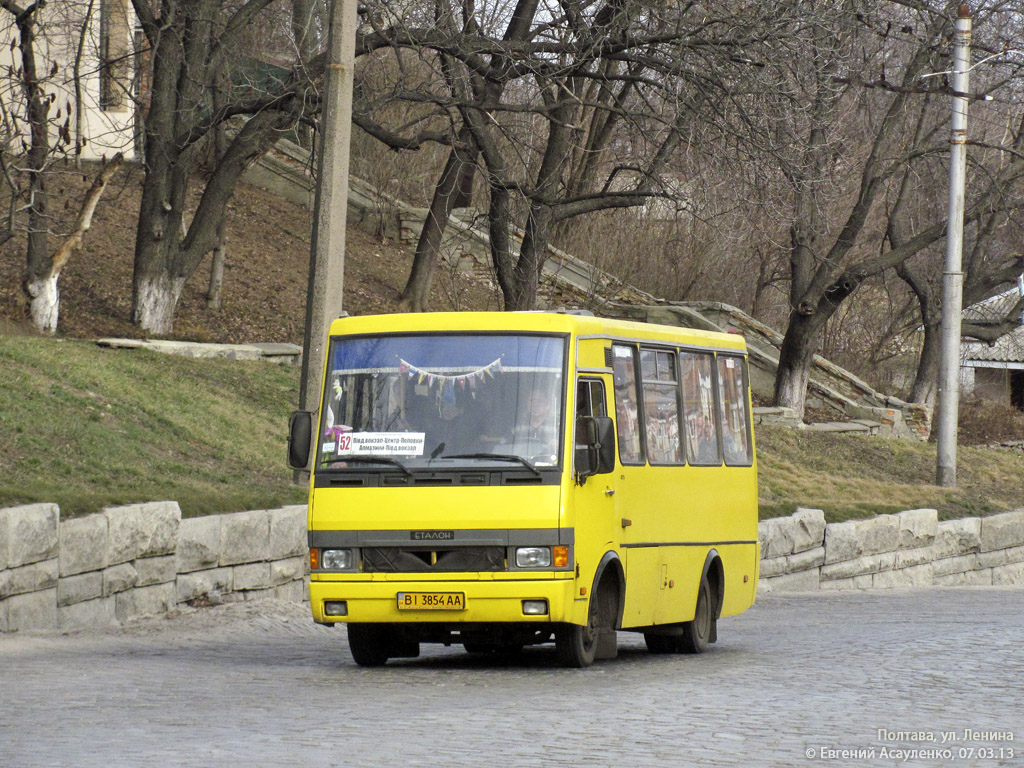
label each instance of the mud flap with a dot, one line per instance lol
(607, 644)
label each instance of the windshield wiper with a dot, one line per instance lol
(370, 460)
(497, 457)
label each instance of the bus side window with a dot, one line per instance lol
(732, 399)
(699, 409)
(627, 424)
(661, 406)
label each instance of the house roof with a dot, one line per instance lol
(992, 310)
(1008, 349)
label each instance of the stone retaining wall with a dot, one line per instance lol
(142, 560)
(908, 549)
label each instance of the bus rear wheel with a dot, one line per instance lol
(697, 633)
(368, 644)
(693, 636)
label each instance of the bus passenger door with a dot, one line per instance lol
(597, 527)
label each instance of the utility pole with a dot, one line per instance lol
(953, 276)
(327, 250)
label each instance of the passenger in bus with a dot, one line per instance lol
(628, 428)
(703, 446)
(535, 432)
(734, 445)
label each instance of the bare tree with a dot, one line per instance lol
(993, 258)
(845, 124)
(194, 44)
(565, 111)
(36, 106)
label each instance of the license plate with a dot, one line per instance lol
(431, 601)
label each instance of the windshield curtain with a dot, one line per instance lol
(420, 399)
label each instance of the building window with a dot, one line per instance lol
(115, 56)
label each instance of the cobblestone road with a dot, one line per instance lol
(790, 683)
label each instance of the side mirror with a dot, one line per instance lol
(595, 446)
(300, 432)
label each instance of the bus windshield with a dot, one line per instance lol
(410, 401)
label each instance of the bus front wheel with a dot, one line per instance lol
(577, 646)
(368, 645)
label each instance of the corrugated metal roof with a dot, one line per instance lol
(992, 310)
(1009, 349)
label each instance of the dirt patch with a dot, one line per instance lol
(265, 279)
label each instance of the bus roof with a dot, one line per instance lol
(533, 322)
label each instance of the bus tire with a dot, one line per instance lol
(368, 645)
(697, 633)
(577, 646)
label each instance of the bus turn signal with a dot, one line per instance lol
(560, 555)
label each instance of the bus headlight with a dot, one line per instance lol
(533, 557)
(336, 559)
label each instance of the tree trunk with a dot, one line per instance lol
(156, 296)
(532, 255)
(217, 271)
(42, 289)
(164, 261)
(925, 389)
(44, 302)
(220, 146)
(42, 292)
(498, 218)
(158, 269)
(795, 359)
(458, 171)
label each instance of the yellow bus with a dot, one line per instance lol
(499, 480)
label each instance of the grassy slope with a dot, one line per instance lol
(88, 427)
(852, 476)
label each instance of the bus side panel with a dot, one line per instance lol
(678, 514)
(681, 569)
(739, 561)
(643, 586)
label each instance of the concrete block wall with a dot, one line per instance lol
(142, 560)
(907, 549)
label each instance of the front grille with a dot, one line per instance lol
(420, 560)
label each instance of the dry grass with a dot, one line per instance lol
(854, 476)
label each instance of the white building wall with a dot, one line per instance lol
(106, 130)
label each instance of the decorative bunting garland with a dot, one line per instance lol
(462, 379)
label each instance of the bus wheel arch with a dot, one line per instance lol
(610, 568)
(714, 572)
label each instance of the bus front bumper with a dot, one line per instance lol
(481, 601)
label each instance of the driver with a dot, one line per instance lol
(535, 432)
